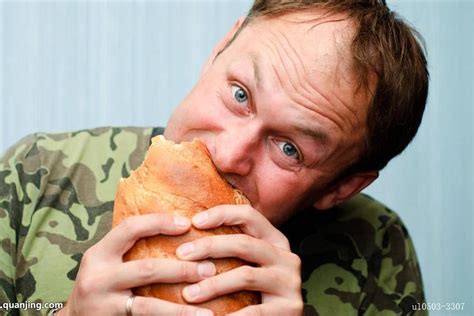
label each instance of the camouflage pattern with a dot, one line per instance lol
(56, 200)
(357, 259)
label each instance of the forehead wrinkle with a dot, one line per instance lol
(351, 110)
(290, 80)
(338, 114)
(342, 45)
(282, 60)
(256, 69)
(298, 83)
(306, 85)
(314, 132)
(342, 50)
(300, 96)
(303, 83)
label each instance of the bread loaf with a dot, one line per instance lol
(180, 179)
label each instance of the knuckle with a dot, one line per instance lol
(187, 270)
(281, 242)
(296, 307)
(128, 225)
(146, 269)
(208, 285)
(205, 244)
(248, 275)
(295, 284)
(85, 286)
(248, 213)
(257, 311)
(183, 310)
(285, 242)
(294, 260)
(244, 241)
(292, 280)
(88, 257)
(141, 307)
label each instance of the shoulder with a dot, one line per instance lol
(87, 146)
(57, 192)
(357, 257)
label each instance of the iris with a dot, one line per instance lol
(289, 149)
(240, 95)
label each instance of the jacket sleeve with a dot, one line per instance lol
(15, 200)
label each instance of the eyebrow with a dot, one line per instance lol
(317, 133)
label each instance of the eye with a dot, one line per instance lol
(239, 94)
(289, 149)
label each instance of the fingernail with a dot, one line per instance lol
(192, 290)
(185, 249)
(200, 218)
(203, 312)
(206, 269)
(181, 221)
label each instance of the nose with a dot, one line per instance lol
(236, 149)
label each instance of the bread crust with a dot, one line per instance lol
(182, 180)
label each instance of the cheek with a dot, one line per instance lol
(280, 191)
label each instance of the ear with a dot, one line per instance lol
(345, 189)
(223, 43)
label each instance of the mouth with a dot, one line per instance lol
(232, 184)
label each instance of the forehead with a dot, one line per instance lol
(322, 41)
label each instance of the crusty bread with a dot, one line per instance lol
(180, 179)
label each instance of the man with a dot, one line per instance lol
(300, 105)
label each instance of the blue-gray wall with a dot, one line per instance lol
(67, 65)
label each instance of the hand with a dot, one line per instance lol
(277, 276)
(104, 281)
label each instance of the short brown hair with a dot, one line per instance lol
(385, 45)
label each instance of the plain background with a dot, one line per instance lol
(68, 65)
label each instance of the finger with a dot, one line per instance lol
(142, 272)
(153, 306)
(120, 239)
(250, 221)
(235, 245)
(284, 309)
(239, 279)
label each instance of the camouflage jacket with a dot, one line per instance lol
(56, 200)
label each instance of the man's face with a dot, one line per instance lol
(278, 111)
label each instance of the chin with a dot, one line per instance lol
(276, 217)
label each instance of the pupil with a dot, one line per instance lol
(240, 95)
(289, 150)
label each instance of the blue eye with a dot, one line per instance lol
(288, 149)
(239, 94)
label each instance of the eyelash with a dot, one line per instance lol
(299, 156)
